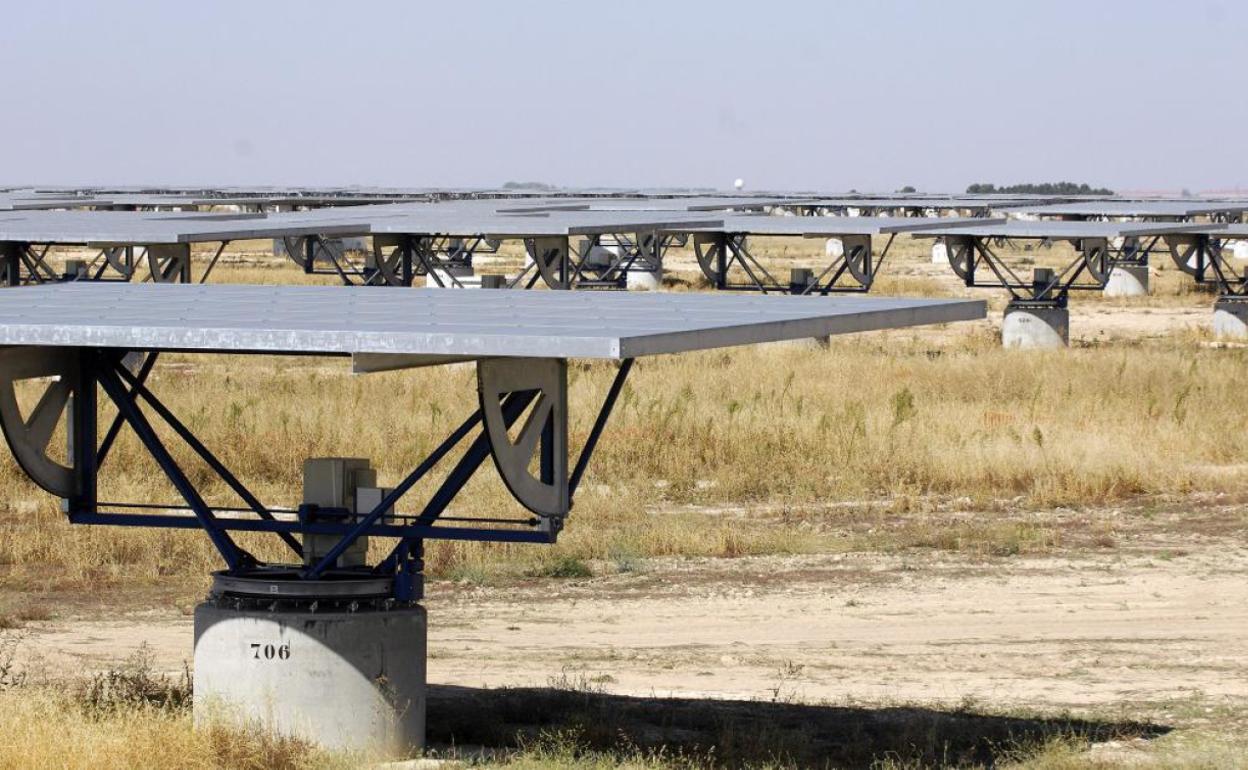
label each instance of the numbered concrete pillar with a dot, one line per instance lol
(1033, 326)
(345, 680)
(337, 661)
(1127, 281)
(1230, 318)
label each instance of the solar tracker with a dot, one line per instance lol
(130, 228)
(461, 221)
(830, 227)
(1057, 229)
(429, 322)
(1134, 209)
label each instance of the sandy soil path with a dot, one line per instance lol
(1089, 630)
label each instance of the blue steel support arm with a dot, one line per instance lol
(600, 423)
(234, 556)
(115, 428)
(137, 387)
(513, 406)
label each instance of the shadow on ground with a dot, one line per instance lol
(743, 733)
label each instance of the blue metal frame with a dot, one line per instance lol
(129, 393)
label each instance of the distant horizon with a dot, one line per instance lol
(1143, 192)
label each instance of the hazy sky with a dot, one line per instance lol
(788, 95)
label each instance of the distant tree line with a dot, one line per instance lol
(1043, 188)
(542, 186)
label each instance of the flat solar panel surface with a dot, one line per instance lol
(1132, 208)
(900, 201)
(126, 228)
(460, 221)
(438, 322)
(1062, 230)
(830, 227)
(701, 203)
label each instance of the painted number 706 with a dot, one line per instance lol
(270, 651)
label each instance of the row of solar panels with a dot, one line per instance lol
(18, 199)
(556, 217)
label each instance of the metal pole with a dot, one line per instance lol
(234, 556)
(599, 424)
(83, 430)
(137, 387)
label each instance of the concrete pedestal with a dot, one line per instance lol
(1035, 328)
(466, 276)
(643, 280)
(940, 253)
(1127, 281)
(343, 680)
(1230, 319)
(834, 248)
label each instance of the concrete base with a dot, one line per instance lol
(1127, 281)
(643, 280)
(1239, 250)
(834, 248)
(940, 253)
(345, 681)
(1230, 319)
(466, 276)
(1035, 328)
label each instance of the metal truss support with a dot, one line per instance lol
(169, 263)
(322, 256)
(397, 259)
(554, 261)
(521, 423)
(1201, 257)
(853, 271)
(390, 263)
(971, 257)
(549, 261)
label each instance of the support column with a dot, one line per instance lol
(646, 271)
(1039, 322)
(1127, 281)
(1230, 318)
(338, 661)
(11, 263)
(345, 673)
(1033, 326)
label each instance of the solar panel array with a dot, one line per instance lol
(161, 217)
(440, 324)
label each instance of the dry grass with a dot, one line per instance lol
(44, 728)
(131, 718)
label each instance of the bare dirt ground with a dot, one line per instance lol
(1160, 618)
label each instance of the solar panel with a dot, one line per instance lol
(831, 227)
(1015, 228)
(1133, 208)
(458, 221)
(440, 324)
(130, 228)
